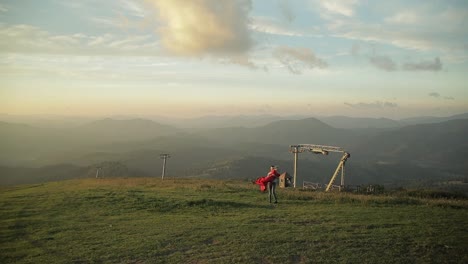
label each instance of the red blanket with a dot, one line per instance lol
(263, 181)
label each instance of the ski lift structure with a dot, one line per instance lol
(323, 150)
(164, 157)
(98, 169)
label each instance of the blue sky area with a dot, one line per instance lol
(186, 58)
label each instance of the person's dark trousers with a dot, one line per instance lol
(272, 191)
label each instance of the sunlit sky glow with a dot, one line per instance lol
(208, 57)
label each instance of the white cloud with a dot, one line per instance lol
(274, 27)
(95, 69)
(106, 22)
(29, 39)
(204, 27)
(403, 18)
(338, 7)
(73, 4)
(433, 30)
(129, 43)
(403, 38)
(133, 7)
(100, 40)
(3, 8)
(372, 105)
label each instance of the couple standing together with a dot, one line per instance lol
(269, 182)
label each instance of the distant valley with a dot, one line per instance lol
(383, 151)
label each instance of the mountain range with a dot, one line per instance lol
(383, 150)
(210, 122)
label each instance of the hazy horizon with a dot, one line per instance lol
(161, 117)
(395, 59)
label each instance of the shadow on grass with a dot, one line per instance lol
(206, 203)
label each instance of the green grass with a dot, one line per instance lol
(207, 221)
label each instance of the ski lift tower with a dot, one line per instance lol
(324, 150)
(98, 168)
(164, 157)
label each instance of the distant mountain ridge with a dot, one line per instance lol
(123, 130)
(382, 123)
(431, 119)
(338, 121)
(433, 150)
(283, 132)
(359, 122)
(213, 121)
(435, 145)
(31, 145)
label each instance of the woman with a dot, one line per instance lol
(271, 185)
(269, 182)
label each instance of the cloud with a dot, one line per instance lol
(373, 105)
(271, 26)
(243, 60)
(298, 59)
(106, 22)
(355, 49)
(133, 8)
(286, 10)
(264, 108)
(204, 27)
(406, 17)
(413, 29)
(435, 65)
(439, 96)
(3, 8)
(383, 62)
(27, 39)
(401, 37)
(388, 64)
(339, 7)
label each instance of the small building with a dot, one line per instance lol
(285, 180)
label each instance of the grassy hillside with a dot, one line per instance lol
(143, 220)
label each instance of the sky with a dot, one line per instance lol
(190, 58)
